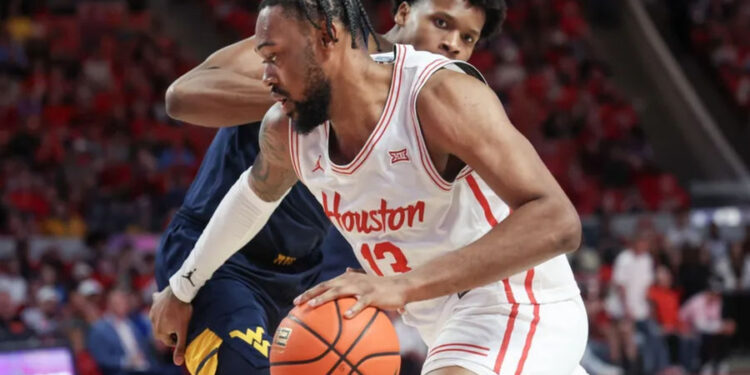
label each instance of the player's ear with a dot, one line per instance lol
(402, 14)
(329, 38)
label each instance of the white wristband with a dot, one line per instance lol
(238, 218)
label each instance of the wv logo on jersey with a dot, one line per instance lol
(254, 338)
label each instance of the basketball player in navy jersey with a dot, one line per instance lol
(227, 326)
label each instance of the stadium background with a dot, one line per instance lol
(640, 108)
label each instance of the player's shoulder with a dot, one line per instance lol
(449, 92)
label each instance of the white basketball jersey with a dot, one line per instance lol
(396, 210)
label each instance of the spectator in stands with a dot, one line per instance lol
(703, 315)
(63, 223)
(85, 363)
(682, 232)
(734, 270)
(665, 301)
(115, 343)
(44, 318)
(603, 346)
(86, 302)
(49, 272)
(694, 271)
(11, 326)
(717, 246)
(12, 281)
(745, 244)
(628, 304)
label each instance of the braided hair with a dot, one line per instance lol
(351, 13)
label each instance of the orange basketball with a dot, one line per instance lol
(313, 341)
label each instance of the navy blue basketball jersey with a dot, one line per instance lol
(284, 257)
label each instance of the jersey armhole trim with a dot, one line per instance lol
(424, 155)
(423, 152)
(294, 150)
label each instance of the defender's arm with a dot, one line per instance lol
(243, 211)
(225, 90)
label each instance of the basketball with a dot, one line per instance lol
(321, 341)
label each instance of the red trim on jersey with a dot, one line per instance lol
(460, 344)
(464, 172)
(423, 152)
(482, 200)
(292, 147)
(385, 118)
(296, 152)
(506, 337)
(530, 286)
(457, 350)
(508, 291)
(530, 336)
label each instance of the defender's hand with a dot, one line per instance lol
(169, 318)
(387, 293)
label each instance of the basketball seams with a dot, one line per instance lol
(330, 348)
(355, 370)
(383, 360)
(361, 334)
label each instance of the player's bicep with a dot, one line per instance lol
(239, 58)
(467, 120)
(272, 174)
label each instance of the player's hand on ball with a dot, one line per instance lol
(387, 293)
(169, 318)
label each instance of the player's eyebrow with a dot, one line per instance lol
(474, 32)
(264, 44)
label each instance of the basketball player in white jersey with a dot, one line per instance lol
(226, 90)
(419, 168)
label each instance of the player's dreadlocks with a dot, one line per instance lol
(350, 12)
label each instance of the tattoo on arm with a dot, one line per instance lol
(261, 169)
(272, 174)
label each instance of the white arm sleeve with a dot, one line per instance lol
(238, 218)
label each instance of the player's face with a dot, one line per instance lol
(447, 27)
(291, 69)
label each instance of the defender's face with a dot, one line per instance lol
(447, 27)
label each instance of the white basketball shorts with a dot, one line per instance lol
(507, 339)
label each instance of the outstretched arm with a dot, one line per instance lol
(225, 90)
(243, 211)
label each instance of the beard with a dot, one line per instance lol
(313, 110)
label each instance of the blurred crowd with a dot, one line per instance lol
(721, 32)
(85, 143)
(665, 302)
(95, 303)
(87, 151)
